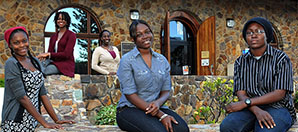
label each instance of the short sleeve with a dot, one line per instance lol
(43, 90)
(237, 76)
(283, 75)
(126, 78)
(167, 83)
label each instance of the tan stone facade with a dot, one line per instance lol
(187, 95)
(114, 16)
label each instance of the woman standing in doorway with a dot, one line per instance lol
(24, 87)
(106, 54)
(59, 58)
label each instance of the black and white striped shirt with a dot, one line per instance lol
(271, 72)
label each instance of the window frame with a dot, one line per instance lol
(88, 36)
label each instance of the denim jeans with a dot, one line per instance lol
(49, 67)
(245, 120)
(135, 120)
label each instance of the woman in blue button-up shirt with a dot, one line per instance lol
(145, 83)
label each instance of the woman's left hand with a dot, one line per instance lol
(236, 106)
(167, 122)
(153, 108)
(43, 56)
(64, 122)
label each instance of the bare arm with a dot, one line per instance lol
(262, 100)
(137, 101)
(153, 107)
(268, 98)
(26, 103)
(48, 106)
(262, 116)
(164, 95)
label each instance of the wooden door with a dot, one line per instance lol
(204, 40)
(167, 38)
(206, 47)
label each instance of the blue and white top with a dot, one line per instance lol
(136, 77)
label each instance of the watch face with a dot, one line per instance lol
(247, 101)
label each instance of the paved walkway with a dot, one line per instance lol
(87, 127)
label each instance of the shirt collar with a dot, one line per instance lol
(136, 52)
(268, 51)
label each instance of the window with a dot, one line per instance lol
(87, 29)
(182, 49)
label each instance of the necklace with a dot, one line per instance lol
(107, 47)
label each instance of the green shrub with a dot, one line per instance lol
(296, 97)
(221, 94)
(106, 115)
(2, 82)
(296, 100)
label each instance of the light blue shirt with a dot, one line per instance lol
(136, 77)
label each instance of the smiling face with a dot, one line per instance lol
(106, 38)
(257, 39)
(19, 43)
(144, 37)
(61, 22)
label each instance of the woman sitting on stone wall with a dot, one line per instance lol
(59, 58)
(145, 84)
(105, 58)
(263, 82)
(24, 87)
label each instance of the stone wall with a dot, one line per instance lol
(81, 97)
(66, 97)
(114, 16)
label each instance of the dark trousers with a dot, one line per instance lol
(135, 120)
(245, 121)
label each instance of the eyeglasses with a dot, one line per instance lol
(258, 32)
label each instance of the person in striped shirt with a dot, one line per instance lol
(263, 82)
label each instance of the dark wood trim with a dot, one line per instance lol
(78, 35)
(167, 46)
(88, 36)
(186, 18)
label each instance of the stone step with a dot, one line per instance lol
(87, 127)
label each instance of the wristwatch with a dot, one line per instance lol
(247, 102)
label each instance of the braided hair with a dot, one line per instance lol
(34, 61)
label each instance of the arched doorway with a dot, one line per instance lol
(277, 41)
(197, 51)
(87, 28)
(182, 48)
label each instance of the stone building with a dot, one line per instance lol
(214, 53)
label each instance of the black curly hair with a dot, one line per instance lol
(65, 16)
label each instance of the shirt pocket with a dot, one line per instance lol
(161, 74)
(142, 77)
